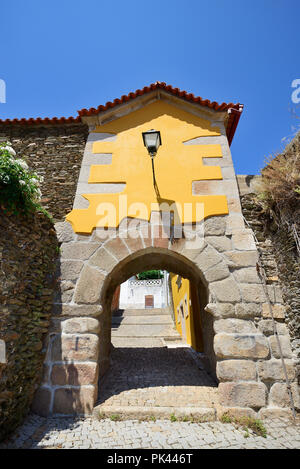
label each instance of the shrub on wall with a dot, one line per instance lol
(19, 187)
(280, 185)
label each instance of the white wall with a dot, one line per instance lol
(133, 292)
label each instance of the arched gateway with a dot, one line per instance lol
(103, 244)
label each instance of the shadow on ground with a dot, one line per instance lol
(138, 376)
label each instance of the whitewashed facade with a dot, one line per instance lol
(134, 291)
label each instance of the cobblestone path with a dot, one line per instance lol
(156, 377)
(152, 370)
(88, 433)
(153, 378)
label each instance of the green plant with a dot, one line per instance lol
(226, 418)
(173, 418)
(246, 423)
(257, 427)
(19, 186)
(279, 189)
(41, 209)
(150, 274)
(115, 417)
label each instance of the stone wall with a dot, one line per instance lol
(279, 258)
(28, 248)
(55, 152)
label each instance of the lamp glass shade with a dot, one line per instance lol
(152, 141)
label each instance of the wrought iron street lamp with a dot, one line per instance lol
(152, 141)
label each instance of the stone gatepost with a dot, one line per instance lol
(240, 341)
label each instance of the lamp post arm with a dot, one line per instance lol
(154, 179)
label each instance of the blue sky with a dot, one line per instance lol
(61, 56)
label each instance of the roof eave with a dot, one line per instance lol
(234, 117)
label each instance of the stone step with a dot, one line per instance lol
(148, 342)
(144, 330)
(149, 319)
(202, 414)
(137, 342)
(142, 312)
(175, 342)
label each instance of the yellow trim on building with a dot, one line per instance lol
(183, 308)
(176, 167)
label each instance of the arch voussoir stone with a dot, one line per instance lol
(146, 234)
(207, 258)
(132, 243)
(117, 248)
(103, 259)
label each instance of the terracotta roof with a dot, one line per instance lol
(234, 110)
(159, 86)
(42, 120)
(234, 117)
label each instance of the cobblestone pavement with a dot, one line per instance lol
(157, 376)
(89, 433)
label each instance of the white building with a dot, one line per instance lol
(140, 294)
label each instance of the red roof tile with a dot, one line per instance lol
(234, 110)
(42, 120)
(160, 86)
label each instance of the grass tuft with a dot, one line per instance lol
(247, 423)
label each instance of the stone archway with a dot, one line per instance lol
(223, 266)
(140, 369)
(155, 258)
(125, 255)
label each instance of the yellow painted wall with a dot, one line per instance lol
(176, 167)
(181, 297)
